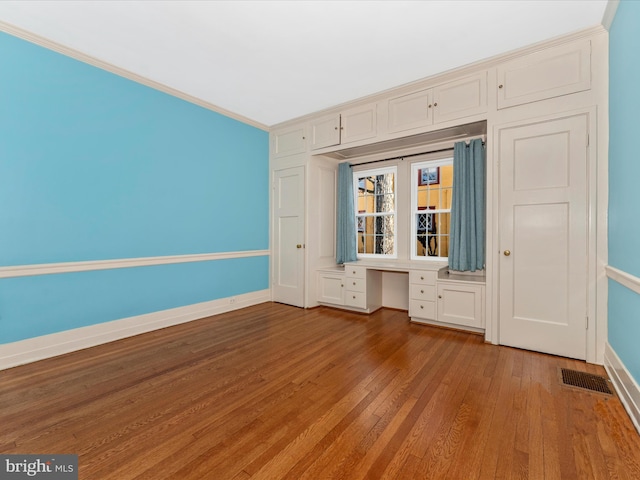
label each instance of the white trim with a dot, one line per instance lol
(623, 278)
(627, 388)
(610, 13)
(46, 346)
(68, 267)
(82, 57)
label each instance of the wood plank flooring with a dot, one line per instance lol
(276, 392)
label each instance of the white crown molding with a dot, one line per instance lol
(68, 267)
(610, 13)
(70, 52)
(623, 278)
(624, 383)
(47, 346)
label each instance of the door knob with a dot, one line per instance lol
(507, 253)
(298, 246)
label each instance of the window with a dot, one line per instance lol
(375, 192)
(431, 193)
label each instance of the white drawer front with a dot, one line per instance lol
(424, 277)
(423, 292)
(355, 284)
(422, 309)
(355, 299)
(355, 272)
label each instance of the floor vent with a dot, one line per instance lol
(585, 381)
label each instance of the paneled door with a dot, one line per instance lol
(288, 236)
(544, 236)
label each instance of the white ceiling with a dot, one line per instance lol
(272, 61)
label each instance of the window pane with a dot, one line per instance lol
(376, 194)
(376, 205)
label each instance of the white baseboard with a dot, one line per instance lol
(627, 388)
(46, 346)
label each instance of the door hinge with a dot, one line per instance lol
(587, 139)
(586, 324)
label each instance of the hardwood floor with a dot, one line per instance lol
(276, 392)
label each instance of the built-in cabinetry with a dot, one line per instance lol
(331, 286)
(351, 125)
(422, 294)
(354, 288)
(461, 303)
(450, 101)
(434, 298)
(288, 141)
(545, 74)
(533, 86)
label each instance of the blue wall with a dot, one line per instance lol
(624, 180)
(94, 167)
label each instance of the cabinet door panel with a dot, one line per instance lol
(410, 111)
(460, 304)
(546, 74)
(325, 132)
(288, 141)
(460, 99)
(359, 123)
(331, 289)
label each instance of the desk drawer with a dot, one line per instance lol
(423, 277)
(355, 272)
(422, 309)
(423, 292)
(355, 299)
(355, 284)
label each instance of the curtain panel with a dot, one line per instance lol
(346, 216)
(467, 236)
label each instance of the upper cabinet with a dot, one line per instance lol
(351, 125)
(288, 141)
(546, 74)
(449, 101)
(325, 131)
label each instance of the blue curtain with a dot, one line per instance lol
(467, 235)
(346, 217)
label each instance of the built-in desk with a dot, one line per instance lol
(435, 295)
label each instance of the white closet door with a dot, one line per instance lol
(544, 236)
(288, 236)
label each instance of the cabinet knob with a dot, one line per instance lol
(507, 253)
(421, 278)
(439, 296)
(354, 283)
(421, 307)
(421, 291)
(354, 272)
(500, 86)
(335, 128)
(341, 285)
(430, 105)
(354, 297)
(435, 104)
(298, 246)
(304, 138)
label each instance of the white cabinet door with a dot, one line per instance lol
(546, 74)
(358, 123)
(410, 111)
(288, 236)
(325, 131)
(288, 141)
(543, 211)
(461, 304)
(459, 99)
(331, 288)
